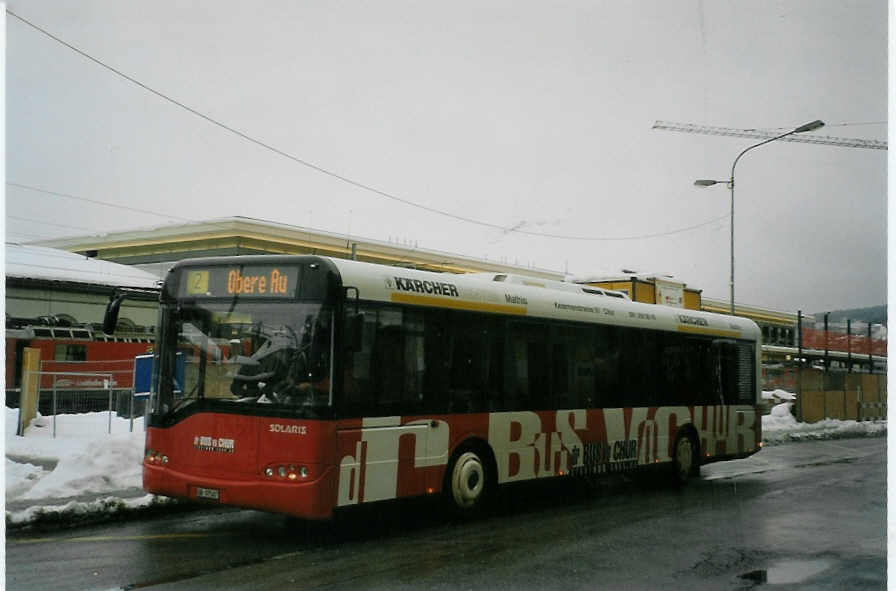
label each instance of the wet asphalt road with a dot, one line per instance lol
(803, 515)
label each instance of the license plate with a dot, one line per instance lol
(208, 493)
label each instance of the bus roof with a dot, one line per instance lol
(484, 292)
(537, 298)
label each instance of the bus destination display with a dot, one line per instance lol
(273, 282)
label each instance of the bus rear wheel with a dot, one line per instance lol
(467, 485)
(686, 459)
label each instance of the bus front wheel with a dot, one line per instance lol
(468, 481)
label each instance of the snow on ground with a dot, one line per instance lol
(85, 471)
(780, 427)
(20, 477)
(82, 458)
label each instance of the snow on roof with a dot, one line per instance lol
(37, 262)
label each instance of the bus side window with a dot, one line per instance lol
(387, 365)
(732, 375)
(606, 369)
(357, 389)
(638, 367)
(671, 386)
(495, 383)
(745, 374)
(414, 361)
(560, 369)
(573, 366)
(435, 361)
(528, 387)
(472, 366)
(698, 372)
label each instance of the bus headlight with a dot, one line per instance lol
(291, 472)
(151, 456)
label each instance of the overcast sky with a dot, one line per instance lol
(534, 116)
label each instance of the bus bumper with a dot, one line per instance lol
(310, 500)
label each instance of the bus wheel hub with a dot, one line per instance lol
(467, 480)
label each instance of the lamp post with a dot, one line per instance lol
(730, 183)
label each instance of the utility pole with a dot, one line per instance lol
(799, 365)
(826, 314)
(848, 345)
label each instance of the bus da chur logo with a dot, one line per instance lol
(208, 443)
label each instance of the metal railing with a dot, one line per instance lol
(107, 386)
(67, 392)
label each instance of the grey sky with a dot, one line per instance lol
(507, 112)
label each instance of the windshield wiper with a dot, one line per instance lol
(182, 403)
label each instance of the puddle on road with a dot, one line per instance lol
(787, 572)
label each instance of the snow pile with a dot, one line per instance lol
(83, 458)
(112, 463)
(778, 396)
(83, 461)
(75, 511)
(779, 419)
(20, 477)
(780, 426)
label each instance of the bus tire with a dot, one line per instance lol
(468, 481)
(686, 460)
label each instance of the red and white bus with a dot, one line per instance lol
(300, 384)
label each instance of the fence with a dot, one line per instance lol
(837, 372)
(56, 376)
(65, 392)
(77, 375)
(830, 394)
(839, 395)
(837, 339)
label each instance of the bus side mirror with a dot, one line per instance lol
(354, 332)
(111, 317)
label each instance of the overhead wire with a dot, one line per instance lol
(105, 204)
(51, 252)
(98, 202)
(46, 223)
(28, 235)
(122, 273)
(325, 171)
(190, 220)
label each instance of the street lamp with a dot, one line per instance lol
(730, 182)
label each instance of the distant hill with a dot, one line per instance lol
(873, 315)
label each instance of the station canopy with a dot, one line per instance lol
(49, 264)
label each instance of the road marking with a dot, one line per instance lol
(110, 538)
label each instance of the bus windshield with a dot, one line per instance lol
(244, 352)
